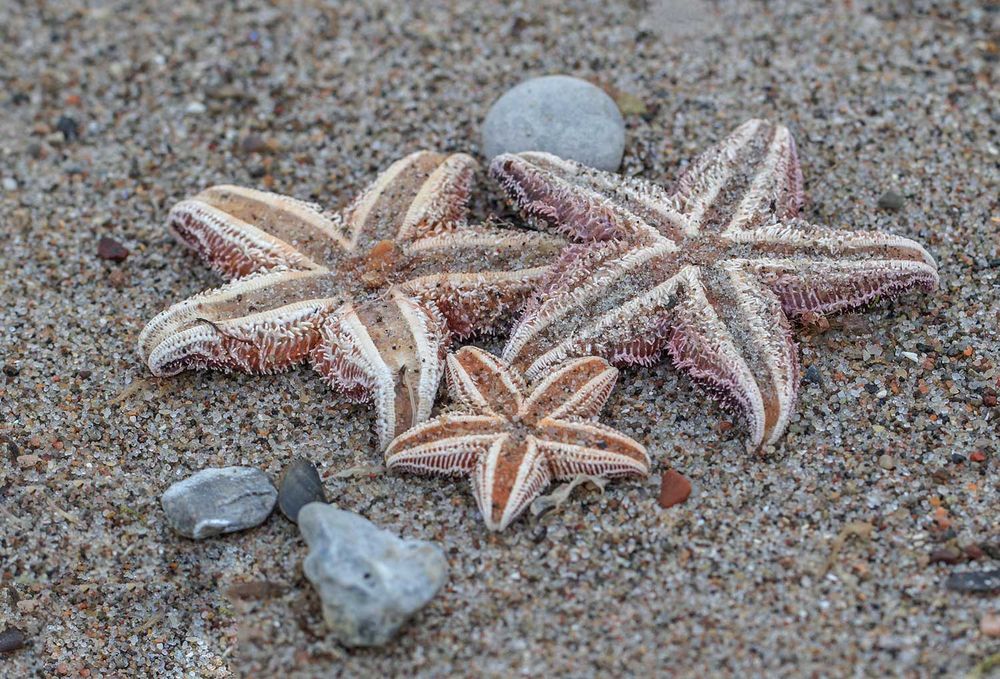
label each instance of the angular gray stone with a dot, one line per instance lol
(219, 500)
(565, 116)
(370, 580)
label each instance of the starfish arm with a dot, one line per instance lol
(589, 448)
(442, 202)
(729, 333)
(263, 323)
(577, 389)
(449, 444)
(825, 270)
(616, 311)
(561, 196)
(751, 174)
(482, 384)
(241, 231)
(389, 352)
(507, 478)
(422, 193)
(490, 273)
(573, 199)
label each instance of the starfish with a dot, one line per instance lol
(710, 273)
(514, 446)
(371, 295)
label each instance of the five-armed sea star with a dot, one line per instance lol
(514, 446)
(710, 273)
(370, 295)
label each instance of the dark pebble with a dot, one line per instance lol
(69, 127)
(974, 552)
(299, 485)
(11, 370)
(947, 555)
(989, 398)
(871, 387)
(957, 458)
(984, 581)
(112, 250)
(12, 639)
(890, 200)
(992, 549)
(539, 534)
(254, 143)
(812, 375)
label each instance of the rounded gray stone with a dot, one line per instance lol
(370, 580)
(558, 114)
(219, 500)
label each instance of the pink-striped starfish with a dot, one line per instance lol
(371, 295)
(514, 445)
(711, 273)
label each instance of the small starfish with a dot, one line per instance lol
(371, 296)
(710, 273)
(513, 446)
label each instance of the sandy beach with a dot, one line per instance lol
(826, 555)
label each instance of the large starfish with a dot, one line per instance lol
(710, 273)
(514, 446)
(370, 295)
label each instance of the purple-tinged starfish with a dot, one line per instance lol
(514, 445)
(711, 273)
(370, 295)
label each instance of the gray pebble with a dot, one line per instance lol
(299, 485)
(890, 200)
(565, 116)
(980, 582)
(813, 375)
(370, 581)
(11, 639)
(219, 500)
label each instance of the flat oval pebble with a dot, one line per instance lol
(219, 500)
(973, 581)
(111, 250)
(300, 484)
(11, 639)
(558, 114)
(674, 489)
(370, 580)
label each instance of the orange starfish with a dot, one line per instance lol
(513, 446)
(370, 295)
(710, 274)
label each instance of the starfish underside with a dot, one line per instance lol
(513, 445)
(710, 273)
(370, 296)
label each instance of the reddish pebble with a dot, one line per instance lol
(674, 489)
(110, 249)
(947, 555)
(978, 456)
(990, 625)
(974, 552)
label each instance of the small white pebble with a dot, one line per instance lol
(9, 184)
(195, 107)
(912, 356)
